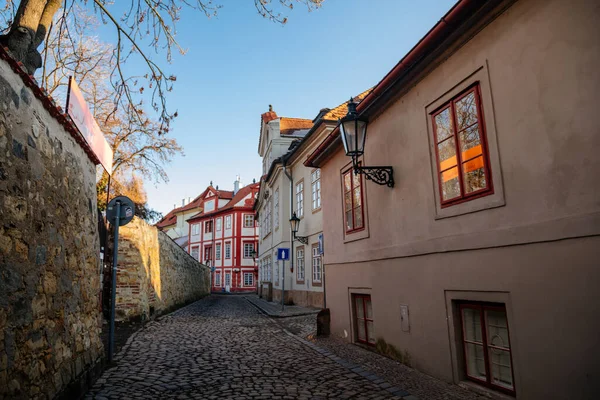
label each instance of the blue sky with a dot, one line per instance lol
(239, 63)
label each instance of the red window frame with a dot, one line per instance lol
(362, 201)
(459, 161)
(208, 227)
(482, 307)
(362, 320)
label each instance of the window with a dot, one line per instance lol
(461, 149)
(196, 229)
(227, 250)
(276, 208)
(208, 227)
(228, 222)
(248, 279)
(196, 253)
(300, 264)
(218, 278)
(353, 209)
(300, 199)
(207, 254)
(219, 223)
(486, 345)
(276, 272)
(315, 184)
(363, 311)
(248, 250)
(248, 221)
(266, 229)
(316, 263)
(218, 251)
(209, 206)
(227, 278)
(269, 269)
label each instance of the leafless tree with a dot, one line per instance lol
(30, 21)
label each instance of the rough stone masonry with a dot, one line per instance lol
(154, 274)
(49, 264)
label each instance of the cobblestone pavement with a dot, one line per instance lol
(417, 383)
(222, 347)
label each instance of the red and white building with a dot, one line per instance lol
(224, 235)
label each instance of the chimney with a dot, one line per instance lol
(183, 202)
(236, 184)
(174, 206)
(189, 200)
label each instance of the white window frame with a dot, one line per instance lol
(195, 229)
(219, 224)
(228, 250)
(300, 199)
(300, 276)
(227, 274)
(251, 280)
(228, 222)
(315, 179)
(217, 251)
(217, 278)
(248, 253)
(316, 265)
(248, 217)
(277, 271)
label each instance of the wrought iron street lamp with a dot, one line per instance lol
(353, 130)
(295, 224)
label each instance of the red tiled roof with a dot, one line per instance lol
(243, 192)
(341, 110)
(288, 126)
(171, 217)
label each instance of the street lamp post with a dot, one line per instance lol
(353, 130)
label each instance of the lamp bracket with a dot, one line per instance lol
(302, 239)
(379, 175)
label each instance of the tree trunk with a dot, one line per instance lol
(29, 30)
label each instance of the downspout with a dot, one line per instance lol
(289, 175)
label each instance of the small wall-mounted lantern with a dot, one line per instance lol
(295, 224)
(353, 130)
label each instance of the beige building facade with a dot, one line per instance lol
(481, 264)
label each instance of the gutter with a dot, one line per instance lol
(453, 18)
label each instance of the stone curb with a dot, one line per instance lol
(275, 315)
(357, 369)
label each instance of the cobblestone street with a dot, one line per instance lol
(223, 347)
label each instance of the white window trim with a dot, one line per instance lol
(276, 208)
(218, 281)
(315, 184)
(300, 199)
(228, 222)
(316, 261)
(251, 279)
(228, 246)
(250, 254)
(217, 251)
(219, 224)
(246, 219)
(300, 266)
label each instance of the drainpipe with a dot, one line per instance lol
(289, 175)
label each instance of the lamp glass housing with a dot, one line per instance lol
(294, 223)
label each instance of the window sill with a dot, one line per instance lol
(316, 210)
(484, 391)
(317, 284)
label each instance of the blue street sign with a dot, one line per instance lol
(321, 248)
(283, 254)
(213, 269)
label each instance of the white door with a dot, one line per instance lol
(227, 281)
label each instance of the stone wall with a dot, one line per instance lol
(154, 274)
(49, 246)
